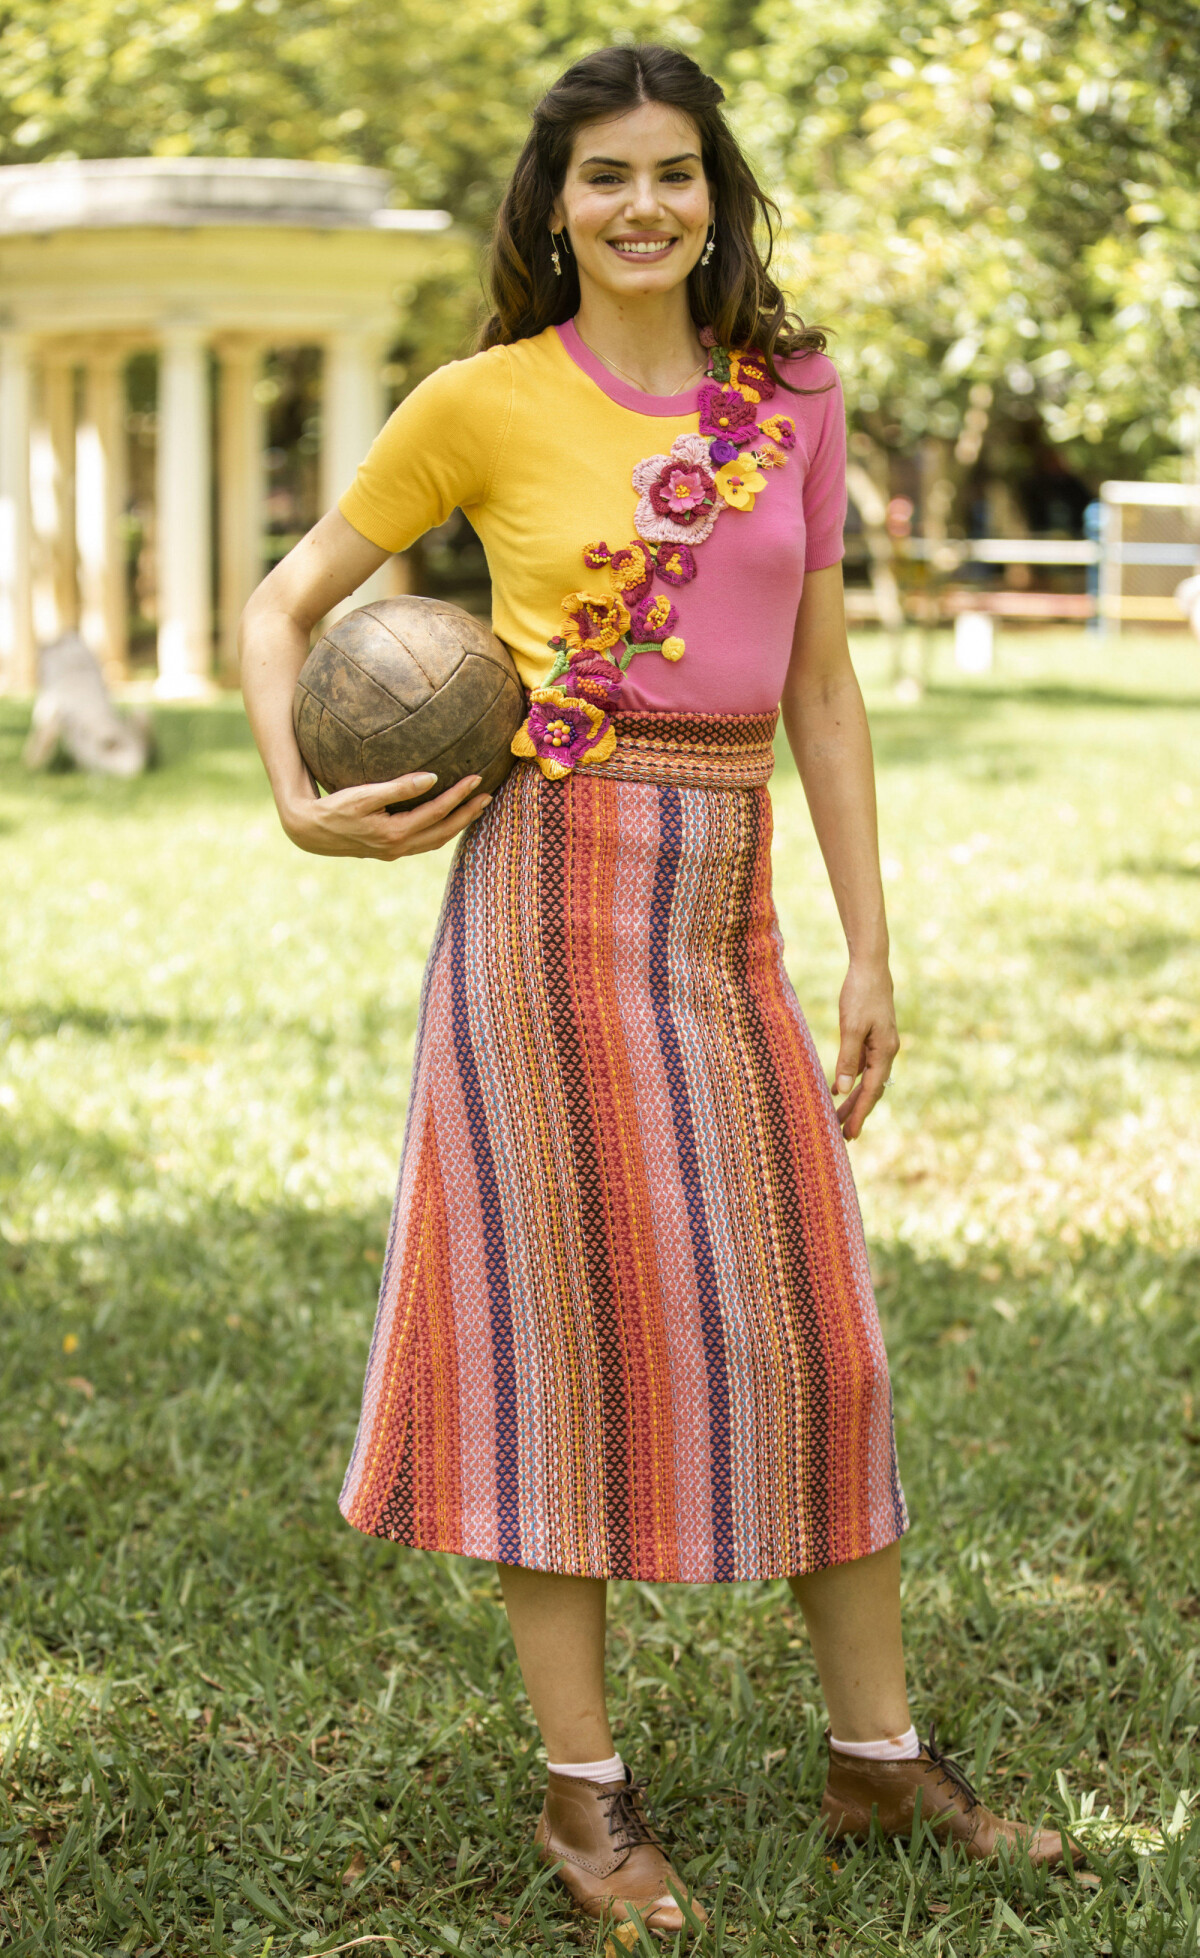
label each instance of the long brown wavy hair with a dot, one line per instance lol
(733, 294)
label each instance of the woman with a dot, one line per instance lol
(626, 1326)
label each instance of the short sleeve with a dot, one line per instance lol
(437, 452)
(825, 481)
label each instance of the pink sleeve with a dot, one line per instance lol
(825, 483)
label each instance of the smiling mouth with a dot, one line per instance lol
(641, 248)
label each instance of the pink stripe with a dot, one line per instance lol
(638, 820)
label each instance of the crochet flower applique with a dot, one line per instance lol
(679, 498)
(559, 732)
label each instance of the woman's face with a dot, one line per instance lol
(635, 203)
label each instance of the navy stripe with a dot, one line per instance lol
(495, 1250)
(670, 817)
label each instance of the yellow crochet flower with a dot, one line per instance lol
(672, 648)
(739, 484)
(781, 429)
(594, 624)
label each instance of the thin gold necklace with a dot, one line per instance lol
(629, 377)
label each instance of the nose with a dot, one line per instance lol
(643, 203)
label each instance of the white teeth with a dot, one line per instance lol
(643, 251)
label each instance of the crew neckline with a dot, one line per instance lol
(676, 406)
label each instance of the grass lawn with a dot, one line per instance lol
(228, 1723)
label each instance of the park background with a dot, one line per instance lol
(228, 1725)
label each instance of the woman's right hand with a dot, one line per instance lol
(356, 823)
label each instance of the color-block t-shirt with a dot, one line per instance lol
(537, 443)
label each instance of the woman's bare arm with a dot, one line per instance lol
(826, 725)
(276, 626)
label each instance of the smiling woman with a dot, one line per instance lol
(668, 192)
(626, 1325)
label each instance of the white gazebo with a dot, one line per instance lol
(195, 259)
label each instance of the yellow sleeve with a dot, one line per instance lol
(436, 453)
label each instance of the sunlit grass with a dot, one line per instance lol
(224, 1718)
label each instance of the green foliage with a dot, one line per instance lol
(1004, 197)
(228, 1722)
(988, 196)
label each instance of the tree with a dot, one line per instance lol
(998, 204)
(995, 205)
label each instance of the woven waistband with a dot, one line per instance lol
(691, 751)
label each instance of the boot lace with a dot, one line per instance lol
(950, 1772)
(626, 1822)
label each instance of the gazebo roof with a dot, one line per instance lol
(180, 191)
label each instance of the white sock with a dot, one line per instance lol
(611, 1770)
(895, 1747)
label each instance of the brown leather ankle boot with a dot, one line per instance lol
(608, 1855)
(858, 1790)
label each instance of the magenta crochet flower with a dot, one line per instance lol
(677, 499)
(675, 564)
(725, 412)
(597, 680)
(560, 733)
(653, 620)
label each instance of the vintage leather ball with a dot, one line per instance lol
(407, 684)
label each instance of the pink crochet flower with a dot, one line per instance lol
(680, 493)
(653, 620)
(726, 413)
(675, 564)
(670, 510)
(597, 680)
(561, 734)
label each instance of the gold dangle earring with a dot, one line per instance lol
(709, 242)
(554, 253)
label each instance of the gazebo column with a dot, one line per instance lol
(352, 414)
(18, 662)
(100, 486)
(52, 460)
(183, 518)
(240, 490)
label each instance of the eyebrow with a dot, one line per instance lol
(621, 163)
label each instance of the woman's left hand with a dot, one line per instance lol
(869, 1044)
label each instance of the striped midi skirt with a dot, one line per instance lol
(626, 1325)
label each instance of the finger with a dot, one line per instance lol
(432, 812)
(418, 839)
(845, 1111)
(377, 795)
(867, 1095)
(417, 822)
(849, 1064)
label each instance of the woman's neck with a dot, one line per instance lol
(653, 342)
